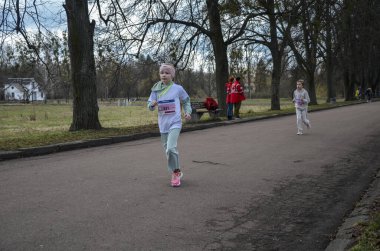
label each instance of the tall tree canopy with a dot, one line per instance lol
(22, 17)
(338, 38)
(182, 31)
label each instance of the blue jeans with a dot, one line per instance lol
(169, 142)
(237, 109)
(230, 110)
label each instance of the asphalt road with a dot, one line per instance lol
(249, 186)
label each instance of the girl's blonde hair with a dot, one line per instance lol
(169, 67)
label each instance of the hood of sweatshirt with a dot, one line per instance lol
(159, 86)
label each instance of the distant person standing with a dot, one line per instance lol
(230, 105)
(368, 94)
(301, 100)
(357, 93)
(167, 96)
(237, 96)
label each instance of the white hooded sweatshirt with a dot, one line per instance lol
(301, 98)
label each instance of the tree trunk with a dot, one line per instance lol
(83, 73)
(310, 71)
(220, 52)
(221, 71)
(276, 78)
(311, 87)
(331, 94)
(276, 56)
(349, 85)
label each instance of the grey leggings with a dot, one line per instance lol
(169, 142)
(301, 115)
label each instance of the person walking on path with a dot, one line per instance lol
(301, 100)
(237, 96)
(230, 105)
(167, 96)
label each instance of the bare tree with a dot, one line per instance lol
(329, 51)
(19, 16)
(81, 44)
(304, 42)
(275, 32)
(358, 41)
(190, 25)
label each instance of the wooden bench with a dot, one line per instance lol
(199, 108)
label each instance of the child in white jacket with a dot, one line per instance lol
(301, 100)
(167, 96)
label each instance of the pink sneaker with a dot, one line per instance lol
(176, 179)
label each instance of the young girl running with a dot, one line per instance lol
(301, 100)
(167, 96)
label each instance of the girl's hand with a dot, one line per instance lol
(153, 103)
(187, 116)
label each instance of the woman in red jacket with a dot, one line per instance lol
(230, 106)
(237, 95)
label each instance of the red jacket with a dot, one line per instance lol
(211, 104)
(228, 91)
(237, 93)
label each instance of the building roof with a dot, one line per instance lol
(21, 83)
(16, 85)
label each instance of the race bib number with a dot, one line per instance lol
(166, 107)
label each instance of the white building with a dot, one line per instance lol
(23, 89)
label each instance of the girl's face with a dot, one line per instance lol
(165, 76)
(299, 86)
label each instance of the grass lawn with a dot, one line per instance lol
(29, 125)
(369, 233)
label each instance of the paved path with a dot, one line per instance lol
(250, 186)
